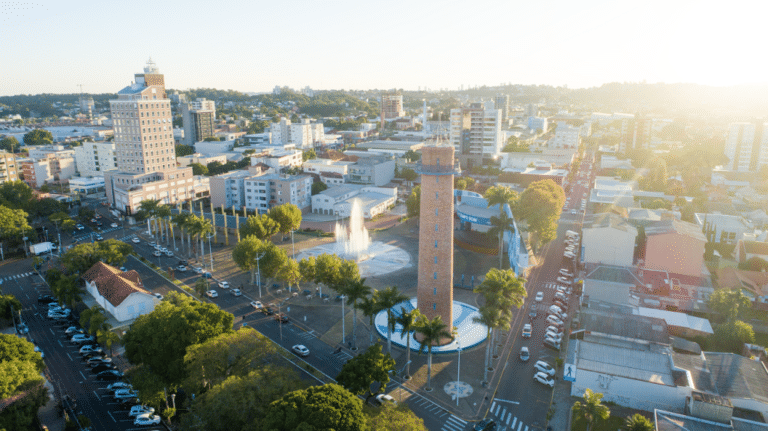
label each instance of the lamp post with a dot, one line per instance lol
(343, 331)
(258, 271)
(210, 251)
(458, 374)
(26, 250)
(293, 246)
(280, 316)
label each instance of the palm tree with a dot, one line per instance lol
(371, 307)
(501, 224)
(591, 408)
(180, 220)
(489, 316)
(638, 422)
(149, 207)
(106, 337)
(164, 215)
(408, 319)
(355, 290)
(432, 332)
(503, 289)
(198, 228)
(388, 298)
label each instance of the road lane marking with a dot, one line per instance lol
(510, 417)
(84, 378)
(503, 413)
(70, 358)
(97, 395)
(514, 422)
(505, 401)
(519, 427)
(110, 415)
(52, 333)
(493, 406)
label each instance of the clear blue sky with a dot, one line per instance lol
(52, 46)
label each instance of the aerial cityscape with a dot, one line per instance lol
(383, 216)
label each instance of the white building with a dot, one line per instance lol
(263, 192)
(120, 293)
(86, 185)
(327, 166)
(280, 159)
(476, 134)
(93, 158)
(305, 134)
(214, 147)
(746, 146)
(202, 159)
(566, 136)
(338, 200)
(609, 239)
(37, 152)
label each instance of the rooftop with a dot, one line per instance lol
(668, 421)
(609, 220)
(635, 361)
(625, 325)
(674, 318)
(663, 227)
(113, 284)
(738, 377)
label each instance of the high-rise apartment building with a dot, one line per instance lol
(93, 158)
(303, 135)
(144, 147)
(635, 133)
(566, 137)
(476, 134)
(49, 169)
(199, 119)
(9, 170)
(392, 105)
(746, 146)
(502, 102)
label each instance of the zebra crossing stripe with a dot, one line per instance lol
(456, 419)
(514, 422)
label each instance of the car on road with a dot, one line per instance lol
(282, 318)
(99, 237)
(181, 268)
(236, 292)
(257, 305)
(532, 311)
(224, 284)
(158, 296)
(539, 296)
(141, 410)
(183, 263)
(527, 330)
(135, 240)
(168, 253)
(22, 328)
(268, 311)
(198, 270)
(152, 243)
(300, 350)
(113, 225)
(109, 375)
(544, 367)
(119, 385)
(485, 425)
(544, 379)
(382, 399)
(525, 355)
(146, 419)
(207, 274)
(82, 338)
(79, 227)
(157, 253)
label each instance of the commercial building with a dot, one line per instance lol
(746, 146)
(538, 123)
(93, 158)
(86, 185)
(258, 190)
(635, 133)
(502, 102)
(202, 159)
(674, 246)
(476, 134)
(608, 239)
(377, 171)
(725, 229)
(198, 119)
(338, 200)
(280, 159)
(392, 105)
(9, 169)
(144, 146)
(37, 152)
(214, 147)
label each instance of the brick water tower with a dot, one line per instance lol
(435, 283)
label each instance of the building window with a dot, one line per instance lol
(435, 211)
(435, 195)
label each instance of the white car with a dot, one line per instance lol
(82, 338)
(566, 273)
(527, 330)
(554, 329)
(168, 253)
(384, 399)
(555, 337)
(525, 355)
(152, 243)
(119, 385)
(212, 294)
(157, 253)
(544, 380)
(125, 393)
(146, 419)
(72, 330)
(544, 367)
(564, 280)
(135, 240)
(114, 225)
(158, 296)
(181, 268)
(257, 305)
(554, 320)
(539, 296)
(300, 350)
(141, 410)
(198, 270)
(236, 292)
(224, 284)
(38, 350)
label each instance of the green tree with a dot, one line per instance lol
(540, 205)
(359, 373)
(13, 348)
(85, 214)
(9, 144)
(408, 321)
(489, 316)
(287, 216)
(13, 222)
(355, 290)
(408, 174)
(308, 268)
(411, 156)
(67, 289)
(261, 226)
(160, 339)
(388, 298)
(198, 169)
(16, 195)
(290, 273)
(246, 252)
(413, 203)
(184, 150)
(754, 263)
(107, 337)
(638, 422)
(729, 303)
(328, 270)
(7, 304)
(93, 319)
(500, 195)
(731, 336)
(389, 417)
(228, 354)
(318, 186)
(201, 286)
(499, 225)
(326, 407)
(213, 139)
(199, 228)
(591, 409)
(38, 137)
(309, 155)
(82, 257)
(433, 332)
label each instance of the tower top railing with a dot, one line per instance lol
(435, 169)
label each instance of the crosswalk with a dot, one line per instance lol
(505, 419)
(16, 276)
(552, 286)
(453, 423)
(102, 232)
(306, 335)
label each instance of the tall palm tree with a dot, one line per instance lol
(180, 220)
(432, 331)
(503, 289)
(408, 320)
(149, 207)
(195, 230)
(106, 337)
(489, 316)
(501, 224)
(638, 422)
(388, 298)
(371, 307)
(200, 228)
(355, 290)
(164, 215)
(592, 408)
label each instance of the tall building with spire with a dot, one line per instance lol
(144, 146)
(435, 280)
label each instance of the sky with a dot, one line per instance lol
(53, 46)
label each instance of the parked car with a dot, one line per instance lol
(157, 253)
(300, 350)
(544, 367)
(564, 280)
(554, 320)
(527, 329)
(554, 336)
(79, 227)
(82, 338)
(555, 329)
(198, 270)
(181, 268)
(183, 263)
(152, 243)
(146, 419)
(268, 311)
(566, 273)
(22, 328)
(551, 343)
(382, 399)
(257, 305)
(539, 296)
(113, 225)
(103, 367)
(525, 355)
(212, 294)
(45, 299)
(98, 361)
(40, 351)
(91, 348)
(109, 375)
(124, 393)
(544, 379)
(119, 385)
(141, 410)
(207, 275)
(72, 330)
(168, 253)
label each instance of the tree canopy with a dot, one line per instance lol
(359, 373)
(20, 368)
(325, 407)
(8, 303)
(247, 251)
(389, 417)
(261, 226)
(82, 257)
(413, 203)
(731, 336)
(160, 339)
(729, 303)
(287, 216)
(198, 169)
(13, 222)
(540, 205)
(38, 137)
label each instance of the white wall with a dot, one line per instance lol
(631, 393)
(609, 246)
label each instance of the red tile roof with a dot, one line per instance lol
(113, 284)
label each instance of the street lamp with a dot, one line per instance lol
(458, 374)
(258, 271)
(280, 316)
(210, 251)
(343, 332)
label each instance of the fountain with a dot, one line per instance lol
(373, 257)
(353, 243)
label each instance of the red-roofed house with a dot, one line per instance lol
(120, 293)
(754, 284)
(746, 250)
(674, 246)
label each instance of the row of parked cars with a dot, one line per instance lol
(99, 364)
